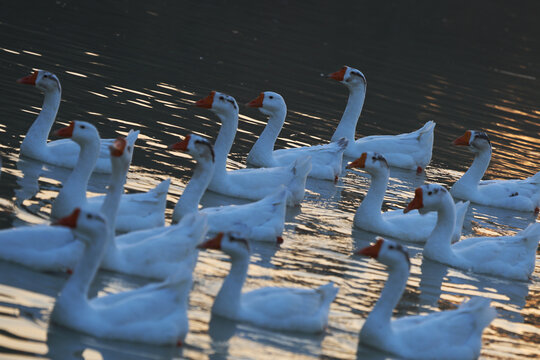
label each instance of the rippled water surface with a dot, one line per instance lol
(140, 64)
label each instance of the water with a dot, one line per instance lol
(142, 65)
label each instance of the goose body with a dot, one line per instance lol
(451, 334)
(253, 184)
(292, 309)
(61, 152)
(411, 151)
(510, 257)
(412, 226)
(522, 195)
(154, 314)
(262, 220)
(137, 211)
(325, 159)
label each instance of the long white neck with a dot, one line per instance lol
(475, 173)
(110, 205)
(36, 137)
(264, 146)
(371, 205)
(73, 192)
(377, 325)
(438, 244)
(224, 141)
(189, 201)
(228, 299)
(79, 282)
(347, 126)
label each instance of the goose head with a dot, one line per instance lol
(197, 146)
(387, 252)
(477, 141)
(87, 225)
(372, 162)
(235, 247)
(219, 103)
(268, 103)
(79, 131)
(43, 80)
(122, 150)
(427, 198)
(350, 77)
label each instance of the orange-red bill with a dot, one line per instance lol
(70, 220)
(30, 79)
(258, 102)
(464, 139)
(67, 131)
(372, 250)
(417, 202)
(338, 75)
(214, 243)
(118, 146)
(207, 101)
(358, 163)
(181, 145)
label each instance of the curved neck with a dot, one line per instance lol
(438, 244)
(194, 190)
(378, 321)
(225, 139)
(39, 131)
(264, 146)
(110, 205)
(371, 205)
(347, 126)
(79, 282)
(479, 166)
(227, 301)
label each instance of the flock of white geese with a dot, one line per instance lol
(157, 313)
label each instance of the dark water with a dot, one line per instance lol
(137, 64)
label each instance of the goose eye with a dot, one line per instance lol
(391, 246)
(271, 97)
(429, 193)
(221, 98)
(89, 216)
(129, 148)
(83, 127)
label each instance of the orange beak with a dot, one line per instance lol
(30, 79)
(358, 163)
(67, 131)
(70, 220)
(181, 145)
(207, 101)
(417, 202)
(214, 243)
(464, 139)
(118, 147)
(258, 102)
(338, 75)
(372, 250)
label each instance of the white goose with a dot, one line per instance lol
(60, 152)
(452, 334)
(253, 184)
(325, 159)
(292, 309)
(154, 314)
(262, 220)
(510, 257)
(137, 211)
(411, 151)
(523, 195)
(412, 226)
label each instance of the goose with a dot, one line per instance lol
(411, 151)
(137, 211)
(262, 220)
(511, 257)
(451, 334)
(522, 195)
(412, 226)
(61, 152)
(325, 159)
(291, 309)
(153, 314)
(252, 184)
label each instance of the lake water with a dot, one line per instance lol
(140, 64)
